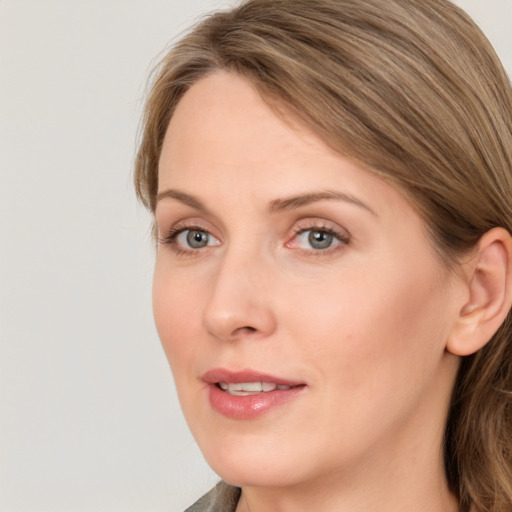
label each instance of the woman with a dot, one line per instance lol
(331, 183)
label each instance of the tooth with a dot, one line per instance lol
(268, 386)
(251, 386)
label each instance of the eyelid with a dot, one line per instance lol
(170, 225)
(315, 224)
(193, 224)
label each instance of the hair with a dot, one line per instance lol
(413, 91)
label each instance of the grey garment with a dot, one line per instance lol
(222, 498)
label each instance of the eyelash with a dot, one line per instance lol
(343, 238)
(171, 239)
(172, 235)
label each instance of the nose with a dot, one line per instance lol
(239, 305)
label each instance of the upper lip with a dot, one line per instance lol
(230, 376)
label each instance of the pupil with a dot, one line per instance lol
(197, 239)
(320, 239)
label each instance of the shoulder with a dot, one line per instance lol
(222, 498)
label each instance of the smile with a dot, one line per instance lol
(249, 394)
(250, 388)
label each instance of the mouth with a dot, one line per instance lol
(251, 388)
(248, 394)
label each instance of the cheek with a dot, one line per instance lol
(371, 327)
(375, 351)
(175, 310)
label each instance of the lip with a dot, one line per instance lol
(224, 375)
(252, 406)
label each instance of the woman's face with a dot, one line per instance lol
(281, 262)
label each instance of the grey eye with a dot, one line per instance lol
(319, 239)
(196, 239)
(193, 239)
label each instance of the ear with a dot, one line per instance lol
(488, 277)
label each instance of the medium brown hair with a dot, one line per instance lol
(413, 91)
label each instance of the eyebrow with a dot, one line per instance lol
(182, 198)
(290, 203)
(295, 202)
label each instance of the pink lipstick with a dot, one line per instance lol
(247, 394)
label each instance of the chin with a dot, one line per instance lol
(257, 461)
(257, 473)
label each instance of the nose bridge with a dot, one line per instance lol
(239, 304)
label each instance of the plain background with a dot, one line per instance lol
(89, 420)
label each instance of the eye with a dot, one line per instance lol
(317, 239)
(189, 239)
(193, 238)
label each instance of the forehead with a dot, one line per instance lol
(224, 141)
(224, 115)
(222, 124)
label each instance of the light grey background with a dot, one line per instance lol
(89, 420)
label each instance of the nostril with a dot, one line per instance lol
(228, 316)
(248, 328)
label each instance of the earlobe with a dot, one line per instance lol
(489, 282)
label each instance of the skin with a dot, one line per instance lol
(364, 323)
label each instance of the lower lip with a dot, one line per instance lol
(251, 406)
